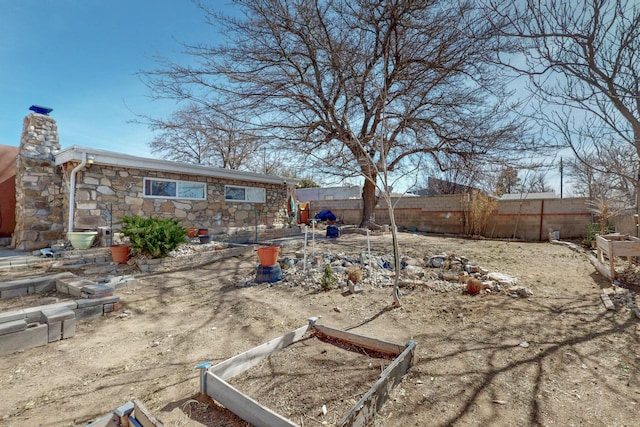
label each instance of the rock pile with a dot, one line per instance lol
(439, 273)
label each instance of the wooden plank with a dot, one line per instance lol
(242, 405)
(361, 340)
(612, 265)
(110, 420)
(607, 302)
(243, 361)
(625, 248)
(144, 417)
(377, 395)
(602, 268)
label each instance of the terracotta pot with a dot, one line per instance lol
(191, 232)
(203, 231)
(268, 255)
(474, 286)
(120, 253)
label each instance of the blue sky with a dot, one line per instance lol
(80, 57)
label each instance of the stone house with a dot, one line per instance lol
(81, 188)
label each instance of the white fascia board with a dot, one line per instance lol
(110, 158)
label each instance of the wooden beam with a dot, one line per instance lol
(607, 301)
(243, 361)
(602, 268)
(143, 416)
(361, 340)
(242, 405)
(377, 395)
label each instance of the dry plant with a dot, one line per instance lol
(477, 208)
(604, 213)
(354, 274)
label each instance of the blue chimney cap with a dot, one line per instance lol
(41, 110)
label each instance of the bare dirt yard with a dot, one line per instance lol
(553, 358)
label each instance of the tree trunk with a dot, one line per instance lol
(369, 202)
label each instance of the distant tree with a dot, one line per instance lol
(197, 135)
(358, 85)
(535, 183)
(307, 183)
(582, 58)
(609, 177)
(508, 181)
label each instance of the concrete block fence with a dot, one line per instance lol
(522, 219)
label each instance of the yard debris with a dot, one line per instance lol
(351, 273)
(502, 279)
(616, 297)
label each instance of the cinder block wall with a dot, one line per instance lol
(520, 219)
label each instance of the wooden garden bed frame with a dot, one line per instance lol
(213, 378)
(611, 246)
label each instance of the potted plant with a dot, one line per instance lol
(120, 253)
(152, 237)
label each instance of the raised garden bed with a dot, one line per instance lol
(612, 246)
(216, 380)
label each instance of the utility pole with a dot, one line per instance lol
(561, 176)
(264, 159)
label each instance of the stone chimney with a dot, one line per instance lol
(39, 199)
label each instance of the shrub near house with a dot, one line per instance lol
(153, 237)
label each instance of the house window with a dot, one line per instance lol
(172, 189)
(328, 197)
(244, 194)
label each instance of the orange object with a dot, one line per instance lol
(268, 255)
(474, 286)
(303, 213)
(120, 253)
(191, 232)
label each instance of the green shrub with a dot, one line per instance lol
(328, 280)
(152, 237)
(595, 229)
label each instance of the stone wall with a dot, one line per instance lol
(105, 193)
(39, 199)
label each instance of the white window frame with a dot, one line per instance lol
(249, 194)
(179, 187)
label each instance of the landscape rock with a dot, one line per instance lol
(502, 279)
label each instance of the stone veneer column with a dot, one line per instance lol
(39, 215)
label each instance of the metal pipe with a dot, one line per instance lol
(72, 190)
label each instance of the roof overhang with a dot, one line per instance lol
(110, 158)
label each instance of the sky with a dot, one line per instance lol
(82, 57)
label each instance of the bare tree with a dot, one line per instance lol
(583, 58)
(608, 176)
(536, 183)
(358, 85)
(196, 135)
(508, 181)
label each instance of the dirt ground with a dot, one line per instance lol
(556, 358)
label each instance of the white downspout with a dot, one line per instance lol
(72, 191)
